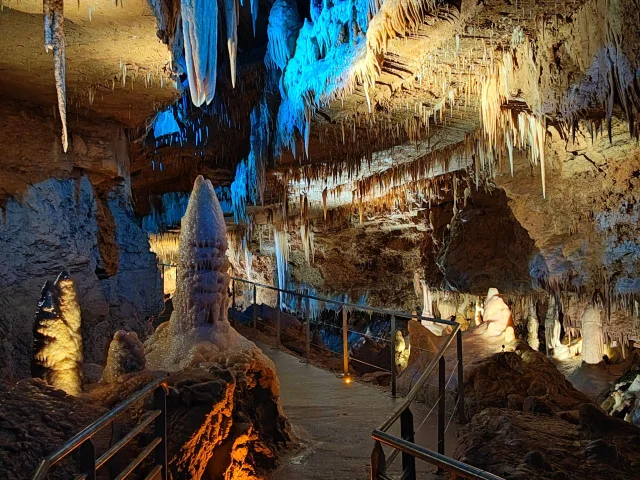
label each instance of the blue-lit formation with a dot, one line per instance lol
(172, 208)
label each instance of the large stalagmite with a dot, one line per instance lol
(592, 336)
(57, 345)
(532, 328)
(199, 320)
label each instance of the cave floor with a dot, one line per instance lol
(333, 421)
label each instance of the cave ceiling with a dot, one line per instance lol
(378, 110)
(117, 68)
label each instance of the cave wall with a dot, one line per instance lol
(483, 246)
(371, 263)
(69, 211)
(587, 229)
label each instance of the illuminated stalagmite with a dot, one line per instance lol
(552, 325)
(592, 336)
(57, 343)
(532, 328)
(201, 299)
(496, 313)
(126, 355)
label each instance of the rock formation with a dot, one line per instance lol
(592, 337)
(57, 355)
(126, 355)
(538, 446)
(198, 327)
(552, 326)
(532, 328)
(491, 381)
(69, 212)
(497, 315)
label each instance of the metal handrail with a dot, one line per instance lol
(406, 445)
(381, 311)
(458, 468)
(83, 438)
(413, 393)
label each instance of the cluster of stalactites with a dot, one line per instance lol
(200, 31)
(282, 30)
(504, 128)
(53, 11)
(306, 230)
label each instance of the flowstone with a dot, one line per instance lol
(198, 327)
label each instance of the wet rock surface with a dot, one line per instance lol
(518, 445)
(530, 423)
(35, 420)
(526, 375)
(223, 419)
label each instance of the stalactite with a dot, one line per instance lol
(232, 19)
(54, 40)
(281, 237)
(200, 30)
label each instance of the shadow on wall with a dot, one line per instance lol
(482, 247)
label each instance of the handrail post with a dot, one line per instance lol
(461, 414)
(378, 461)
(407, 433)
(233, 301)
(87, 453)
(441, 405)
(255, 308)
(345, 342)
(160, 428)
(278, 321)
(393, 356)
(307, 328)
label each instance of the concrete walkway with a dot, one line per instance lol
(333, 422)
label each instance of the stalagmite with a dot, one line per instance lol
(496, 313)
(532, 328)
(57, 355)
(126, 355)
(402, 351)
(200, 30)
(552, 327)
(54, 40)
(199, 320)
(592, 336)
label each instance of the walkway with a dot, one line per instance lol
(333, 422)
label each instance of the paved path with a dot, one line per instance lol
(333, 422)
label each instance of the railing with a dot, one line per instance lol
(341, 307)
(405, 444)
(83, 444)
